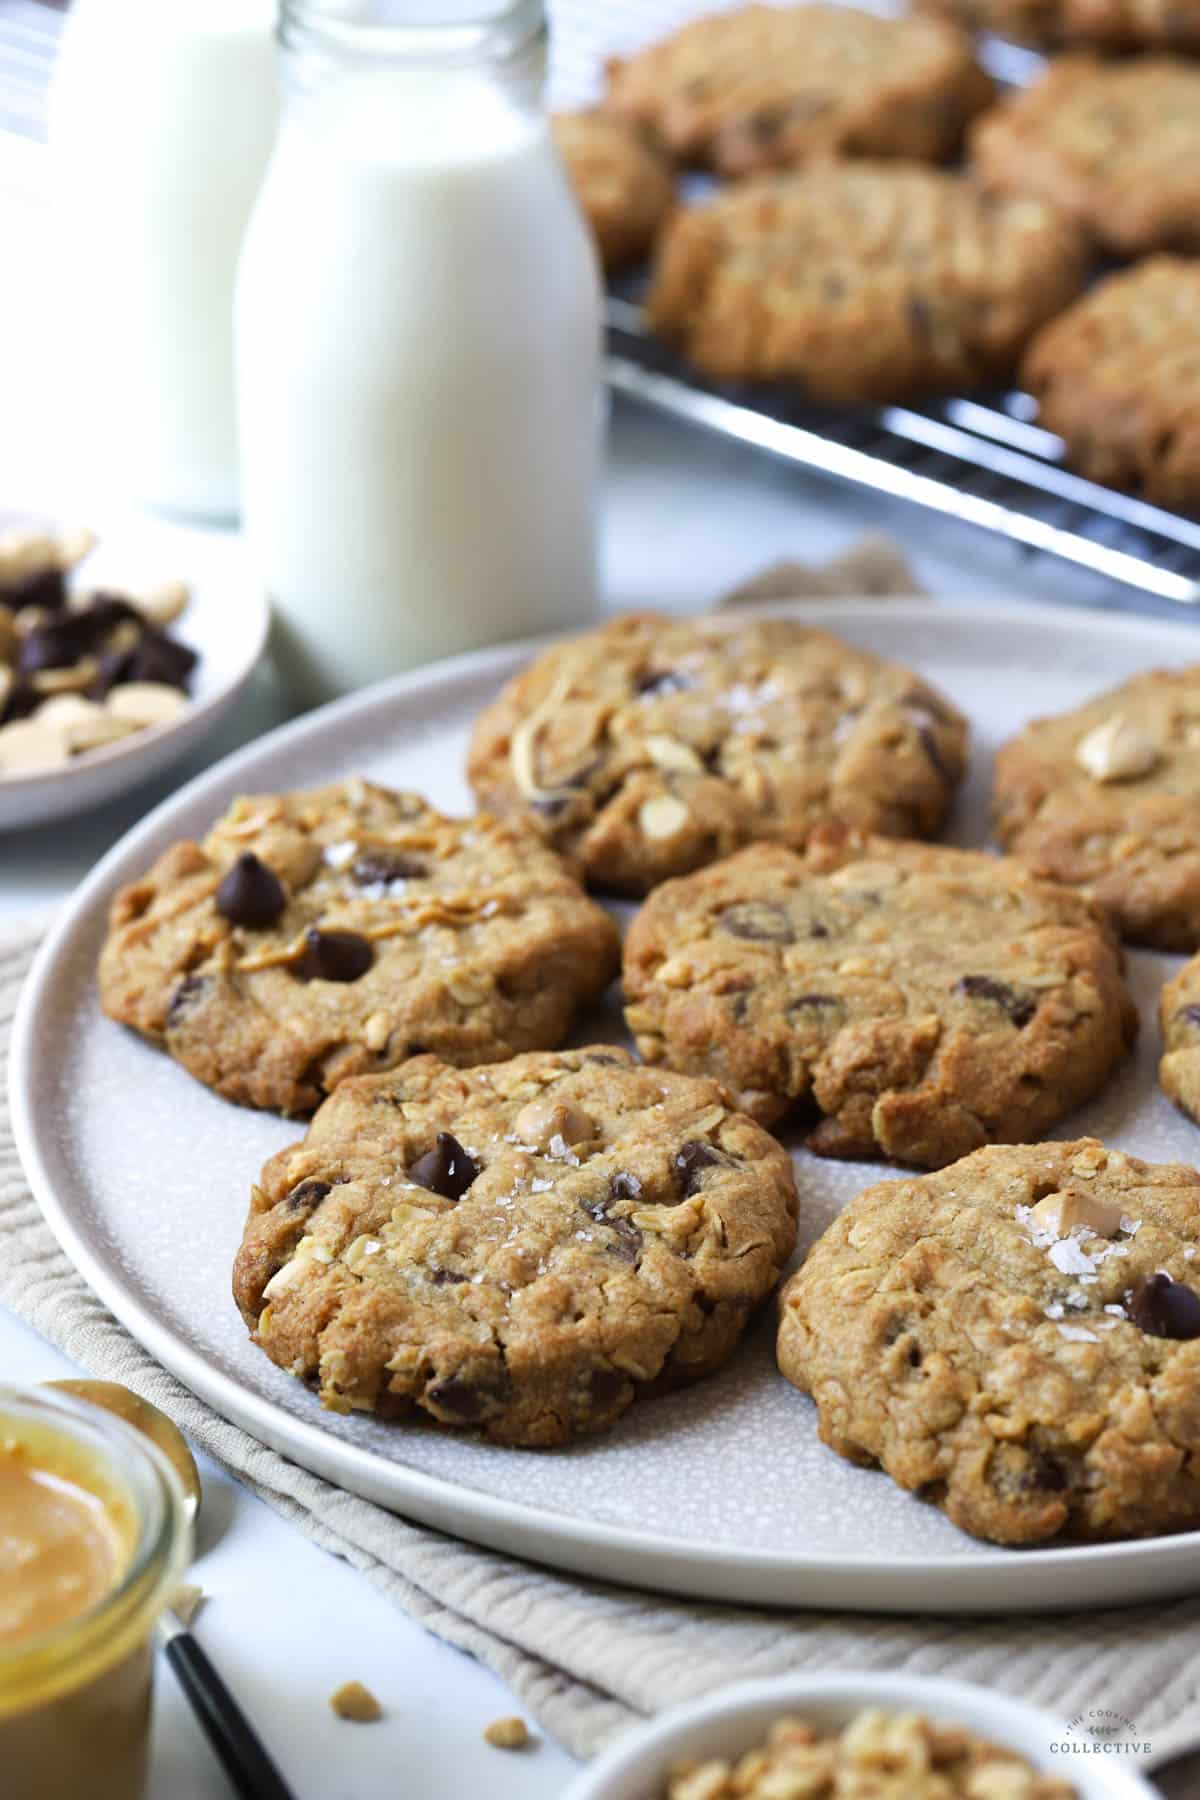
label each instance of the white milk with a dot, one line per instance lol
(162, 118)
(418, 364)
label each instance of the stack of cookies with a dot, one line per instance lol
(840, 252)
(487, 1230)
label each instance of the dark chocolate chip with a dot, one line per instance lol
(603, 1057)
(817, 930)
(105, 612)
(23, 699)
(606, 1385)
(385, 865)
(629, 1238)
(920, 318)
(915, 1358)
(756, 920)
(1046, 1473)
(307, 1196)
(1019, 1007)
(624, 1186)
(185, 997)
(447, 1277)
(161, 658)
(814, 1004)
(663, 681)
(1164, 1308)
(58, 644)
(334, 956)
(45, 587)
(550, 805)
(446, 1169)
(933, 751)
(251, 894)
(470, 1400)
(114, 669)
(689, 1163)
(1187, 1015)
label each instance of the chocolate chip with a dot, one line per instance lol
(114, 669)
(602, 1057)
(470, 1400)
(58, 644)
(817, 930)
(1046, 1473)
(663, 681)
(629, 1238)
(1019, 1007)
(386, 865)
(45, 587)
(447, 1277)
(23, 699)
(690, 1161)
(251, 894)
(605, 1386)
(307, 1196)
(920, 318)
(756, 920)
(334, 956)
(814, 1004)
(185, 997)
(163, 659)
(550, 805)
(933, 751)
(1164, 1308)
(624, 1186)
(446, 1169)
(767, 122)
(1187, 1015)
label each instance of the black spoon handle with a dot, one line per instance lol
(238, 1748)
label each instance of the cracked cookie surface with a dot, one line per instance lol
(926, 1001)
(313, 936)
(1105, 799)
(623, 184)
(862, 280)
(521, 1249)
(769, 87)
(1117, 376)
(653, 746)
(1016, 1338)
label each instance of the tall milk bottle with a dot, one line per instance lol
(418, 345)
(162, 117)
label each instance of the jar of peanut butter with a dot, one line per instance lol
(94, 1535)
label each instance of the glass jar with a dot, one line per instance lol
(418, 346)
(75, 1700)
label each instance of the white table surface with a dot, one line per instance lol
(685, 518)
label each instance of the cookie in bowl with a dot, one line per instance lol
(522, 1249)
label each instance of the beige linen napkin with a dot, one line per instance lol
(589, 1659)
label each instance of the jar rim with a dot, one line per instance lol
(41, 1666)
(339, 27)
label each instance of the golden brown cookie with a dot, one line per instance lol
(623, 184)
(1106, 799)
(1117, 376)
(1107, 24)
(862, 280)
(523, 1248)
(769, 87)
(1016, 1338)
(924, 1001)
(1114, 146)
(1179, 1019)
(653, 746)
(318, 935)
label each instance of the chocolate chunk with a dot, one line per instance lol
(629, 1238)
(932, 749)
(386, 865)
(23, 699)
(690, 1161)
(251, 894)
(1019, 1007)
(1164, 1308)
(185, 997)
(817, 930)
(1046, 1473)
(45, 587)
(663, 681)
(1187, 1015)
(550, 805)
(605, 1386)
(163, 659)
(114, 669)
(58, 644)
(470, 1400)
(447, 1277)
(756, 920)
(624, 1186)
(334, 956)
(446, 1169)
(307, 1196)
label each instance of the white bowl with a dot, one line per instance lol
(737, 1718)
(225, 622)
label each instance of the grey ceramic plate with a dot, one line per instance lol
(722, 1491)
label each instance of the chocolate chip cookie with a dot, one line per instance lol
(1117, 376)
(652, 746)
(1115, 146)
(922, 1001)
(1179, 1018)
(768, 87)
(1108, 24)
(524, 1248)
(862, 280)
(1107, 799)
(622, 182)
(1016, 1338)
(313, 936)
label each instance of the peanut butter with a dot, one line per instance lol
(61, 1548)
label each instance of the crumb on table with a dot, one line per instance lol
(354, 1701)
(507, 1734)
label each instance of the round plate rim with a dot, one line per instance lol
(992, 1581)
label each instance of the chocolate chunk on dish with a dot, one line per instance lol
(522, 1249)
(653, 746)
(1016, 1339)
(922, 1001)
(313, 936)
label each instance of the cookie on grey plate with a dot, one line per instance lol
(524, 1248)
(1117, 377)
(1016, 1338)
(653, 745)
(317, 935)
(623, 183)
(1179, 1020)
(1106, 799)
(1112, 145)
(1106, 24)
(767, 87)
(922, 1001)
(862, 280)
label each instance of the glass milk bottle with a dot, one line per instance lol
(162, 117)
(418, 345)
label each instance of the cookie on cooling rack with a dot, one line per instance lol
(1016, 1339)
(623, 184)
(652, 746)
(317, 935)
(768, 87)
(862, 280)
(925, 1001)
(524, 1249)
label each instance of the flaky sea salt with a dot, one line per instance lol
(1078, 1334)
(1068, 1255)
(340, 856)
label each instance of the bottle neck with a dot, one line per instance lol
(321, 39)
